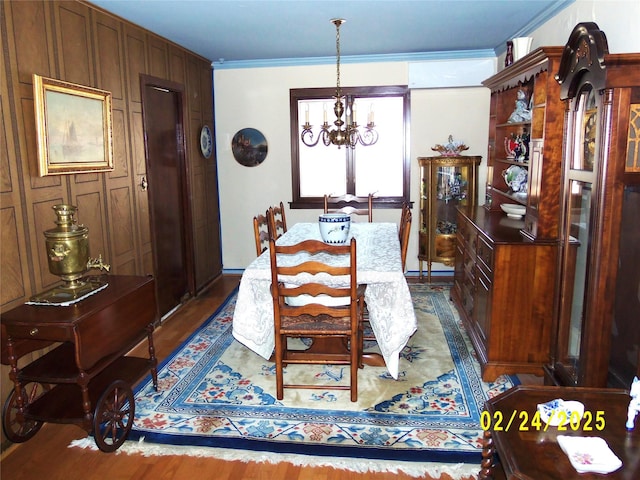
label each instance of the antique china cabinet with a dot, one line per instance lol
(446, 182)
(505, 268)
(596, 341)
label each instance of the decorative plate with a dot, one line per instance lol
(206, 141)
(516, 178)
(560, 412)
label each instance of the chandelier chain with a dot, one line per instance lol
(338, 90)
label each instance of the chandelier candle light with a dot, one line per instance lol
(347, 134)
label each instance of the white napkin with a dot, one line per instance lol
(589, 454)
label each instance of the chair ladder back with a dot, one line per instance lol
(298, 312)
(261, 232)
(277, 221)
(405, 230)
(350, 204)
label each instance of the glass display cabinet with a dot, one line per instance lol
(597, 340)
(447, 182)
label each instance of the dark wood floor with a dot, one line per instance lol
(47, 456)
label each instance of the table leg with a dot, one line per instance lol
(153, 362)
(487, 464)
(83, 383)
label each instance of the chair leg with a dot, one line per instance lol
(356, 358)
(279, 367)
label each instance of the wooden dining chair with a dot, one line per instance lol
(350, 204)
(277, 221)
(316, 310)
(261, 232)
(406, 208)
(404, 231)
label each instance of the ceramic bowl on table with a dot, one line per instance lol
(334, 227)
(513, 210)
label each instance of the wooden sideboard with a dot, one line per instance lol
(504, 288)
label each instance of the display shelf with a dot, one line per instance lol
(447, 182)
(504, 266)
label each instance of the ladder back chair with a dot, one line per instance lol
(350, 204)
(403, 231)
(261, 232)
(277, 221)
(298, 312)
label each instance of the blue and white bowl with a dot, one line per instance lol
(334, 227)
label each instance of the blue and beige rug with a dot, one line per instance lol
(214, 392)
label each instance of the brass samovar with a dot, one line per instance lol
(68, 256)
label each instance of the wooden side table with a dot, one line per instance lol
(528, 451)
(87, 378)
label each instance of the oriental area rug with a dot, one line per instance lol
(217, 397)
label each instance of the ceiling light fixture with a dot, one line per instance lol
(349, 135)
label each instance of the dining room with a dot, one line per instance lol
(409, 323)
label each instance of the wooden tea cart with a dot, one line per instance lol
(86, 378)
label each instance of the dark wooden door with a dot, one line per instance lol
(162, 107)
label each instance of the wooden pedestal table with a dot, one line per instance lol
(87, 378)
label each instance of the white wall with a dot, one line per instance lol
(259, 98)
(618, 19)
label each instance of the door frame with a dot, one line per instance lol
(179, 89)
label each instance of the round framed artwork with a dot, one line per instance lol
(249, 147)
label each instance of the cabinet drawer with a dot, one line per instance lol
(468, 265)
(485, 256)
(466, 233)
(40, 332)
(468, 293)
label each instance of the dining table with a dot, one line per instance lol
(378, 266)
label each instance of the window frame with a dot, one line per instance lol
(298, 94)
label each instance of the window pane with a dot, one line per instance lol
(379, 168)
(382, 169)
(322, 169)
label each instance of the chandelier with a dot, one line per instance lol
(349, 133)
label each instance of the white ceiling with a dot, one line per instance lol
(267, 30)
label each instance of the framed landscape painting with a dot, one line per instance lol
(73, 125)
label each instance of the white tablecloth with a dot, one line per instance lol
(379, 266)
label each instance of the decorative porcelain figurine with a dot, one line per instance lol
(634, 404)
(450, 149)
(522, 113)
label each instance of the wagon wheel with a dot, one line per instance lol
(16, 427)
(113, 417)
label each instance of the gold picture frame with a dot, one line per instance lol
(74, 130)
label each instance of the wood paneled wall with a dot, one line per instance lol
(77, 42)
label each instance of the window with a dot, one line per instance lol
(382, 168)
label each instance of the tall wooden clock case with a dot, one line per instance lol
(597, 335)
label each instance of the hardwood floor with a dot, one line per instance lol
(47, 456)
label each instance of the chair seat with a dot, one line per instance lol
(305, 324)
